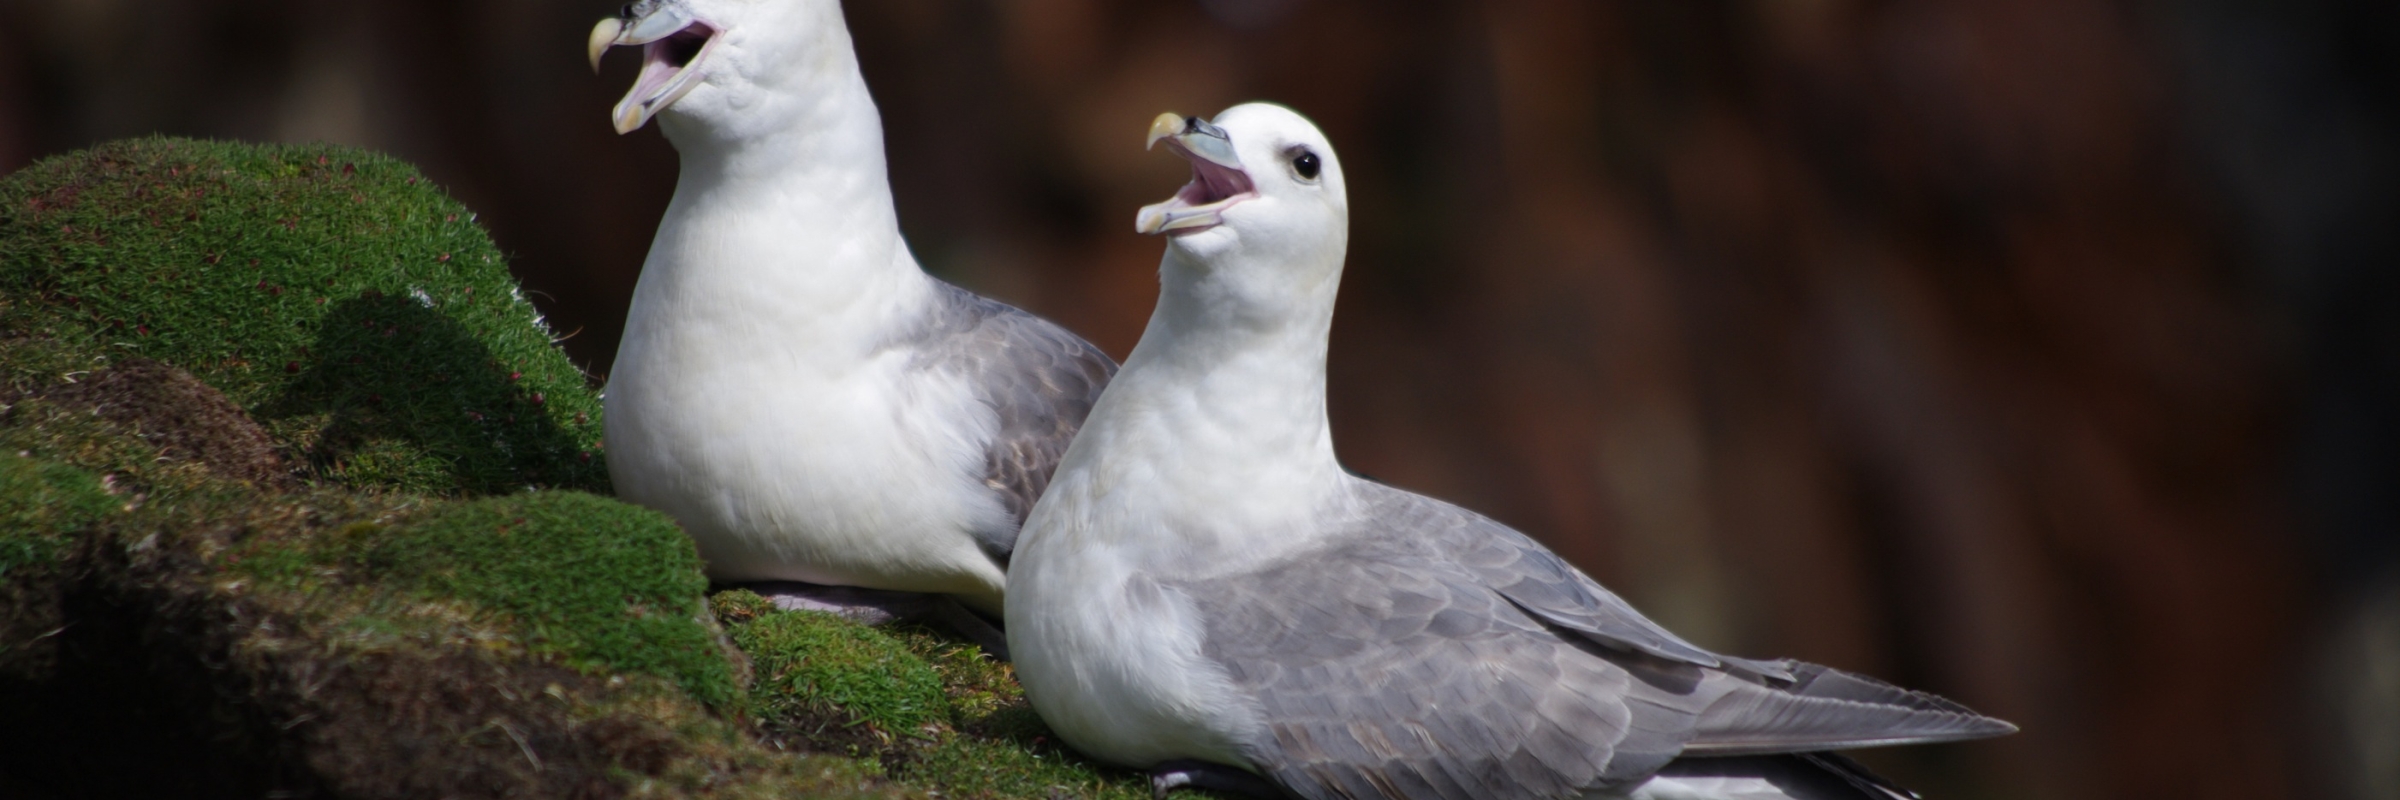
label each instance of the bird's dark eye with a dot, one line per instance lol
(1306, 164)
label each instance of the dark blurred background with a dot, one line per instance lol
(2042, 353)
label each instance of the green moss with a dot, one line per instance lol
(374, 626)
(28, 364)
(424, 641)
(998, 746)
(79, 432)
(963, 726)
(40, 503)
(603, 584)
(1015, 756)
(355, 309)
(827, 670)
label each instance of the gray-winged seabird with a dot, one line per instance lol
(792, 388)
(1204, 592)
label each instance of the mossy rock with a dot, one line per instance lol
(820, 667)
(335, 294)
(220, 641)
(601, 585)
(931, 712)
(267, 419)
(198, 604)
(172, 628)
(40, 505)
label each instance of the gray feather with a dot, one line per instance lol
(1384, 669)
(1039, 380)
(1828, 709)
(1422, 651)
(1530, 575)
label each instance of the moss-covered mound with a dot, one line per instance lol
(354, 309)
(213, 641)
(268, 419)
(929, 711)
(171, 629)
(40, 503)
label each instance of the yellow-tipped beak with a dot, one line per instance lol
(1218, 181)
(604, 36)
(1165, 126)
(675, 47)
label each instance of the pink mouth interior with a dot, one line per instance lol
(663, 59)
(1211, 181)
(679, 48)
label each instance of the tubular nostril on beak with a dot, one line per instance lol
(1195, 126)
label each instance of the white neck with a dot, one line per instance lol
(783, 212)
(1223, 402)
(1248, 364)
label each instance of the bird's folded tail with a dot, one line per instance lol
(1827, 709)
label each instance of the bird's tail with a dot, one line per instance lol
(1821, 708)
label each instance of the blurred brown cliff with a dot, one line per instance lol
(2042, 353)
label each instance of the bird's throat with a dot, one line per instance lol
(1210, 422)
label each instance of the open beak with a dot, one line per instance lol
(1218, 181)
(674, 45)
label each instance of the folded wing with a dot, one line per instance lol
(1040, 382)
(1426, 652)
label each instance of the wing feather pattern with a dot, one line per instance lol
(1533, 577)
(1383, 670)
(1427, 653)
(1039, 379)
(1828, 709)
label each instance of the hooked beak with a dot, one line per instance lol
(1218, 181)
(674, 44)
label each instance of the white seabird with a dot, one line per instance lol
(1204, 592)
(792, 388)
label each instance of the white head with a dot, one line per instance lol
(1265, 221)
(727, 69)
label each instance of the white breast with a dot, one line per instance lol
(790, 447)
(755, 397)
(1109, 656)
(1157, 489)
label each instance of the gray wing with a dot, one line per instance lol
(1529, 575)
(1775, 706)
(1382, 669)
(1039, 379)
(1385, 664)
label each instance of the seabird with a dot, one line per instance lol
(792, 387)
(1206, 593)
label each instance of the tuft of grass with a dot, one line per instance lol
(41, 502)
(604, 585)
(353, 308)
